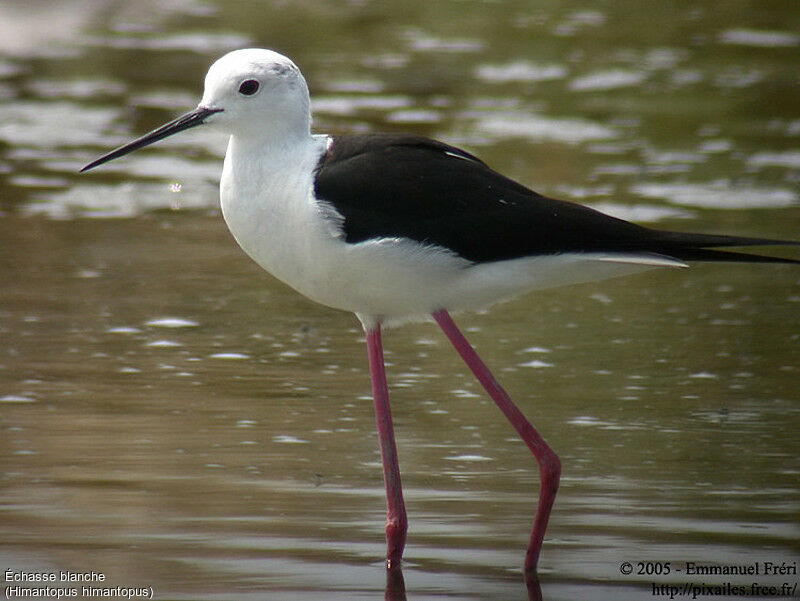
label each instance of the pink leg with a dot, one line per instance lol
(549, 464)
(396, 522)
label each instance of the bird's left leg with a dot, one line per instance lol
(549, 464)
(396, 521)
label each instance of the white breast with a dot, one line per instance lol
(270, 208)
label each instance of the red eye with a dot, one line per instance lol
(248, 87)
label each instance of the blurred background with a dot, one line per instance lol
(173, 417)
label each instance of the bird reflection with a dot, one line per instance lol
(396, 586)
(534, 589)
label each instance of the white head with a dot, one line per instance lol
(253, 93)
(259, 92)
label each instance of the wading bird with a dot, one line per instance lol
(394, 227)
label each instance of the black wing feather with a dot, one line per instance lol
(407, 186)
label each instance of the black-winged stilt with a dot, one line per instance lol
(393, 227)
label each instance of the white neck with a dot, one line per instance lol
(266, 193)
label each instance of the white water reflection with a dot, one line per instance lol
(719, 195)
(541, 127)
(519, 71)
(607, 80)
(760, 38)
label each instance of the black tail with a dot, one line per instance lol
(700, 247)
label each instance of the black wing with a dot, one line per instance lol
(433, 193)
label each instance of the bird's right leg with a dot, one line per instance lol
(549, 464)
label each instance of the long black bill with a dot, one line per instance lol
(190, 119)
